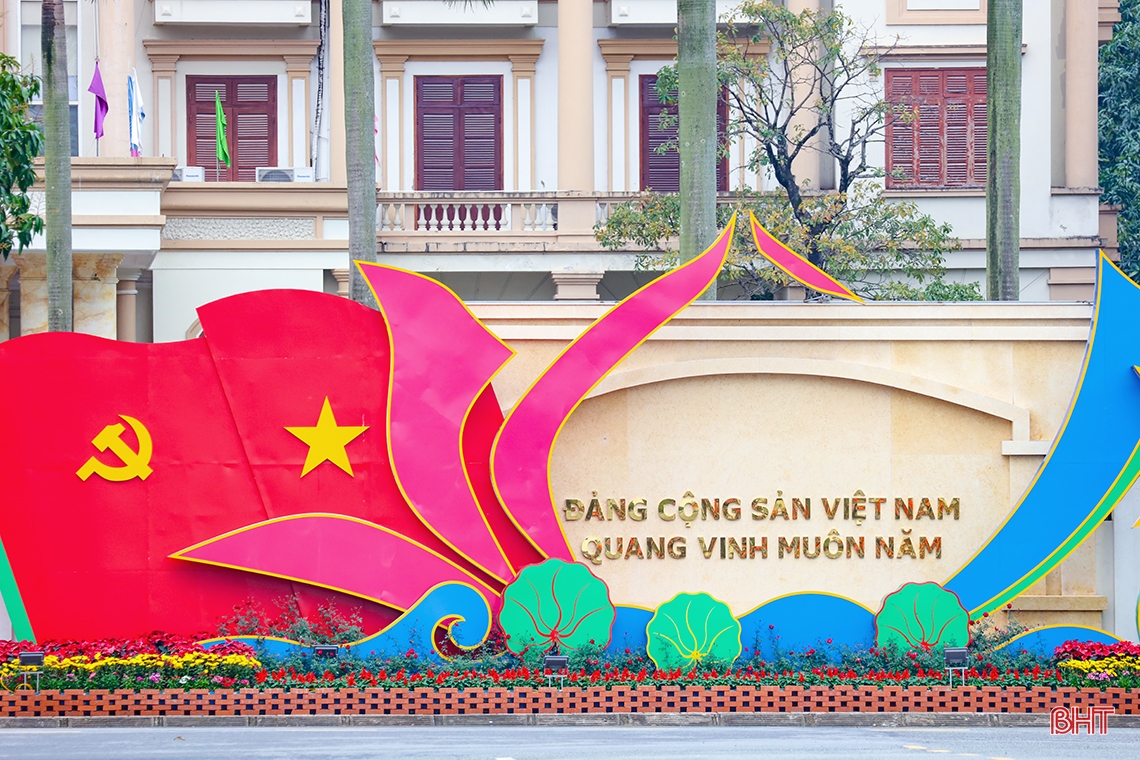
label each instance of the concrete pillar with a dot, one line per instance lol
(341, 276)
(576, 216)
(576, 286)
(116, 43)
(33, 292)
(1081, 51)
(93, 293)
(7, 271)
(126, 298)
(338, 169)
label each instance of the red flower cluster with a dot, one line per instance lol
(1092, 650)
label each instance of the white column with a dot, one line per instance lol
(391, 121)
(297, 69)
(522, 71)
(617, 72)
(164, 67)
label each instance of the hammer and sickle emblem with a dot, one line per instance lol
(135, 464)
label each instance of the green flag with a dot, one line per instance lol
(222, 149)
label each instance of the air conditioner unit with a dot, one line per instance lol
(189, 174)
(284, 174)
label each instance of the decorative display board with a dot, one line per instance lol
(308, 445)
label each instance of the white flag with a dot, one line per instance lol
(135, 113)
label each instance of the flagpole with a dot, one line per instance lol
(96, 4)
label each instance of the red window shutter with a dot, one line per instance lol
(662, 171)
(939, 140)
(250, 105)
(459, 133)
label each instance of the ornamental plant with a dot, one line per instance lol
(556, 604)
(693, 630)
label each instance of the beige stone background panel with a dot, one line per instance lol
(748, 436)
(1046, 376)
(654, 431)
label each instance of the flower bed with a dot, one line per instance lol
(175, 665)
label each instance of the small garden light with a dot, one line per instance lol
(32, 660)
(557, 665)
(326, 650)
(956, 660)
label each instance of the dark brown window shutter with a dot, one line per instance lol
(250, 105)
(459, 133)
(941, 140)
(662, 171)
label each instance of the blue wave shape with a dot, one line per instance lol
(806, 621)
(1043, 641)
(456, 605)
(629, 630)
(1076, 486)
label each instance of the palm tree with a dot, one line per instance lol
(359, 145)
(1003, 180)
(696, 134)
(57, 165)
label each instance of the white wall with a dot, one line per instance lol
(183, 282)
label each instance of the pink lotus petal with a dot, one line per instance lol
(442, 359)
(335, 552)
(796, 266)
(521, 456)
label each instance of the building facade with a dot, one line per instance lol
(524, 121)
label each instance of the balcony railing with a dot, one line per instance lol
(500, 213)
(475, 212)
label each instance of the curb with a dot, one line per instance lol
(796, 720)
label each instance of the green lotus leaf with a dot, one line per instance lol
(691, 629)
(556, 603)
(922, 615)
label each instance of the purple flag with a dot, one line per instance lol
(101, 106)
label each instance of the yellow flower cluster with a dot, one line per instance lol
(1112, 665)
(198, 661)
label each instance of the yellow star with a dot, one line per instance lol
(327, 440)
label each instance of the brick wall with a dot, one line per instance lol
(506, 701)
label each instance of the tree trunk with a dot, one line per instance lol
(359, 143)
(57, 165)
(697, 138)
(1003, 180)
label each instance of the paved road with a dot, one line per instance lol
(549, 743)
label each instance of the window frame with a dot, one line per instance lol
(419, 109)
(231, 112)
(975, 154)
(649, 121)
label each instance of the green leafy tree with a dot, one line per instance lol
(20, 143)
(1120, 130)
(821, 64)
(57, 164)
